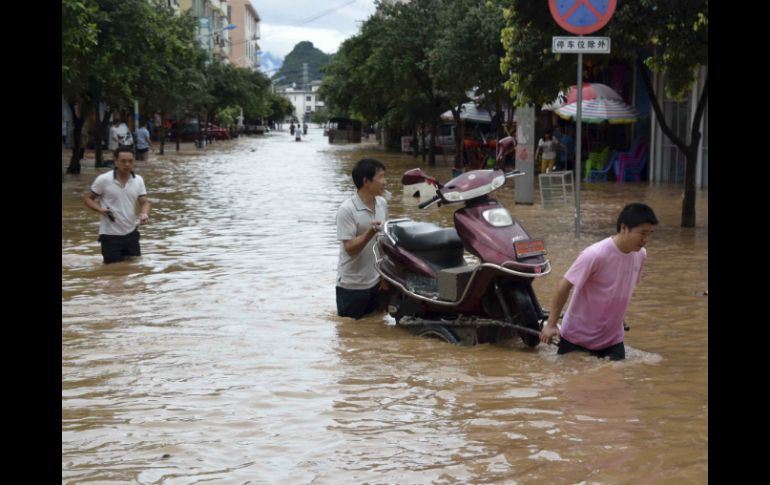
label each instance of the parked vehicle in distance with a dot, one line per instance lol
(344, 129)
(217, 132)
(190, 131)
(186, 132)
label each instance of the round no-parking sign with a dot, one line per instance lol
(582, 16)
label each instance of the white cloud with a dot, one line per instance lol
(280, 40)
(326, 24)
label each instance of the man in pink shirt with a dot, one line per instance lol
(604, 276)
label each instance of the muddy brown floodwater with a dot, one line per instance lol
(217, 357)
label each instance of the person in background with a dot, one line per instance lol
(547, 148)
(143, 142)
(506, 146)
(120, 136)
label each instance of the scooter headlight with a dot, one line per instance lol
(452, 196)
(498, 217)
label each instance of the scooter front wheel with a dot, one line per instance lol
(438, 332)
(525, 316)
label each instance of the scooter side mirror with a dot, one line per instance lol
(416, 176)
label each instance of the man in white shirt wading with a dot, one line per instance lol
(358, 220)
(118, 192)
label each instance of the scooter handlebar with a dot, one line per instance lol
(514, 173)
(425, 204)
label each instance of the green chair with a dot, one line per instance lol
(596, 161)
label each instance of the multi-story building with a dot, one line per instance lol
(213, 18)
(304, 98)
(244, 46)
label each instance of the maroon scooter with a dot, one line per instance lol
(468, 285)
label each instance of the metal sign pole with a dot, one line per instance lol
(578, 143)
(563, 12)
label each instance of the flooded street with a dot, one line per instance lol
(218, 357)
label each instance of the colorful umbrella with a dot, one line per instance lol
(590, 91)
(593, 91)
(600, 110)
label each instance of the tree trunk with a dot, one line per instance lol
(200, 132)
(423, 152)
(415, 140)
(433, 133)
(458, 136)
(74, 166)
(690, 151)
(178, 133)
(162, 132)
(101, 125)
(688, 204)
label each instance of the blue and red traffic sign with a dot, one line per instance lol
(582, 16)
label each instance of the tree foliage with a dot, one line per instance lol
(414, 60)
(119, 51)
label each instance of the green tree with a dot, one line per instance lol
(115, 51)
(79, 41)
(385, 72)
(280, 108)
(257, 102)
(468, 42)
(170, 51)
(411, 34)
(667, 36)
(78, 38)
(359, 79)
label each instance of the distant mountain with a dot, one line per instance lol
(269, 63)
(304, 52)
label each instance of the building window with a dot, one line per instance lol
(308, 98)
(308, 109)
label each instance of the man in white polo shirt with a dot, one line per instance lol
(118, 192)
(358, 220)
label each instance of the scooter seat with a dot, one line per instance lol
(425, 236)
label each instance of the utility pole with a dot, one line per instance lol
(304, 89)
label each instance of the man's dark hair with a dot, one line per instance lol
(635, 214)
(125, 149)
(366, 168)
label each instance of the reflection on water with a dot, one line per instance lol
(218, 356)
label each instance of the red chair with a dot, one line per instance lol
(631, 165)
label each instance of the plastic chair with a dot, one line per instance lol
(601, 175)
(630, 167)
(596, 161)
